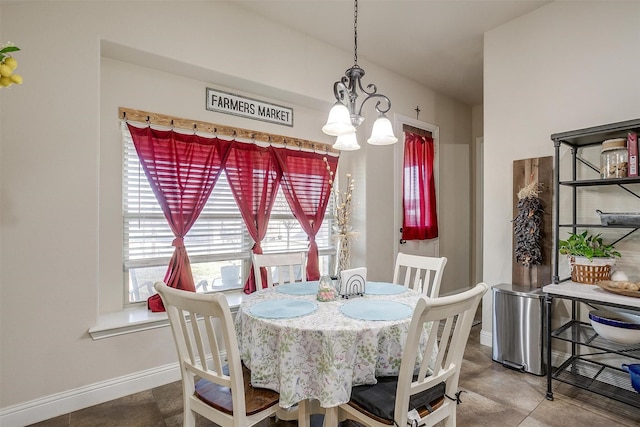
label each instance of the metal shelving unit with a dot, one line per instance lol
(576, 140)
(590, 365)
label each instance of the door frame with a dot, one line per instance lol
(479, 208)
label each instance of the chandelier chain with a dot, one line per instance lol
(355, 32)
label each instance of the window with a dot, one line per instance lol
(218, 244)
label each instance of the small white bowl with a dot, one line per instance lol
(617, 327)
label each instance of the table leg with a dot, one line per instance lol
(304, 413)
(331, 417)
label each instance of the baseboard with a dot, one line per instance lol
(73, 400)
(486, 338)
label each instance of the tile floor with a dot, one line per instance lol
(494, 396)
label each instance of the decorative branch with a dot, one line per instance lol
(343, 232)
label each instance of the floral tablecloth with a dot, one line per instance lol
(321, 355)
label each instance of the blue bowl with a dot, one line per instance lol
(634, 372)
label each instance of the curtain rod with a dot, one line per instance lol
(129, 114)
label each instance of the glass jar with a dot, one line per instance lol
(614, 159)
(326, 289)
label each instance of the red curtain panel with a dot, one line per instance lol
(420, 220)
(254, 178)
(182, 171)
(306, 185)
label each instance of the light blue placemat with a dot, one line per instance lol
(301, 288)
(383, 288)
(283, 308)
(376, 310)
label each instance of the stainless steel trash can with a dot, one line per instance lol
(518, 328)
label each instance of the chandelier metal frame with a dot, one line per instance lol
(346, 116)
(348, 85)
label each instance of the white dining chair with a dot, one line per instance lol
(281, 268)
(420, 273)
(219, 390)
(432, 395)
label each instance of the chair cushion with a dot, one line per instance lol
(379, 399)
(219, 397)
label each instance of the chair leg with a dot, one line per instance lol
(331, 417)
(189, 418)
(451, 419)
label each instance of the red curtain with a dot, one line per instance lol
(305, 182)
(254, 179)
(420, 221)
(182, 170)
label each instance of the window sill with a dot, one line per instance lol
(138, 319)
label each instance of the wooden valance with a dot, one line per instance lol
(417, 131)
(149, 118)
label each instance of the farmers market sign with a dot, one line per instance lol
(229, 103)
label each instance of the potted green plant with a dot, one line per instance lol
(590, 258)
(587, 245)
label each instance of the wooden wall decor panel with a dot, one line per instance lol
(150, 118)
(525, 171)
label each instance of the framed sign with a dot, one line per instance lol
(229, 103)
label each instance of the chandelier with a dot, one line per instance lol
(345, 116)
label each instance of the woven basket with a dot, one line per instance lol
(589, 273)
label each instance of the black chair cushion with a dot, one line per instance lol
(380, 399)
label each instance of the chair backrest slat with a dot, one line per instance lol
(198, 341)
(286, 267)
(421, 273)
(212, 338)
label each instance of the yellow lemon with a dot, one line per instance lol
(5, 81)
(5, 71)
(10, 62)
(16, 78)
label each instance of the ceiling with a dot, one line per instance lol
(438, 43)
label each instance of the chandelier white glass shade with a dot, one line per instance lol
(347, 142)
(345, 116)
(382, 132)
(339, 121)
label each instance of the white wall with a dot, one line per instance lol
(454, 182)
(565, 66)
(59, 260)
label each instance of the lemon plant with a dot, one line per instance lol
(7, 65)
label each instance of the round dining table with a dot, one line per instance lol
(307, 349)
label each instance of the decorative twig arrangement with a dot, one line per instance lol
(527, 226)
(342, 229)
